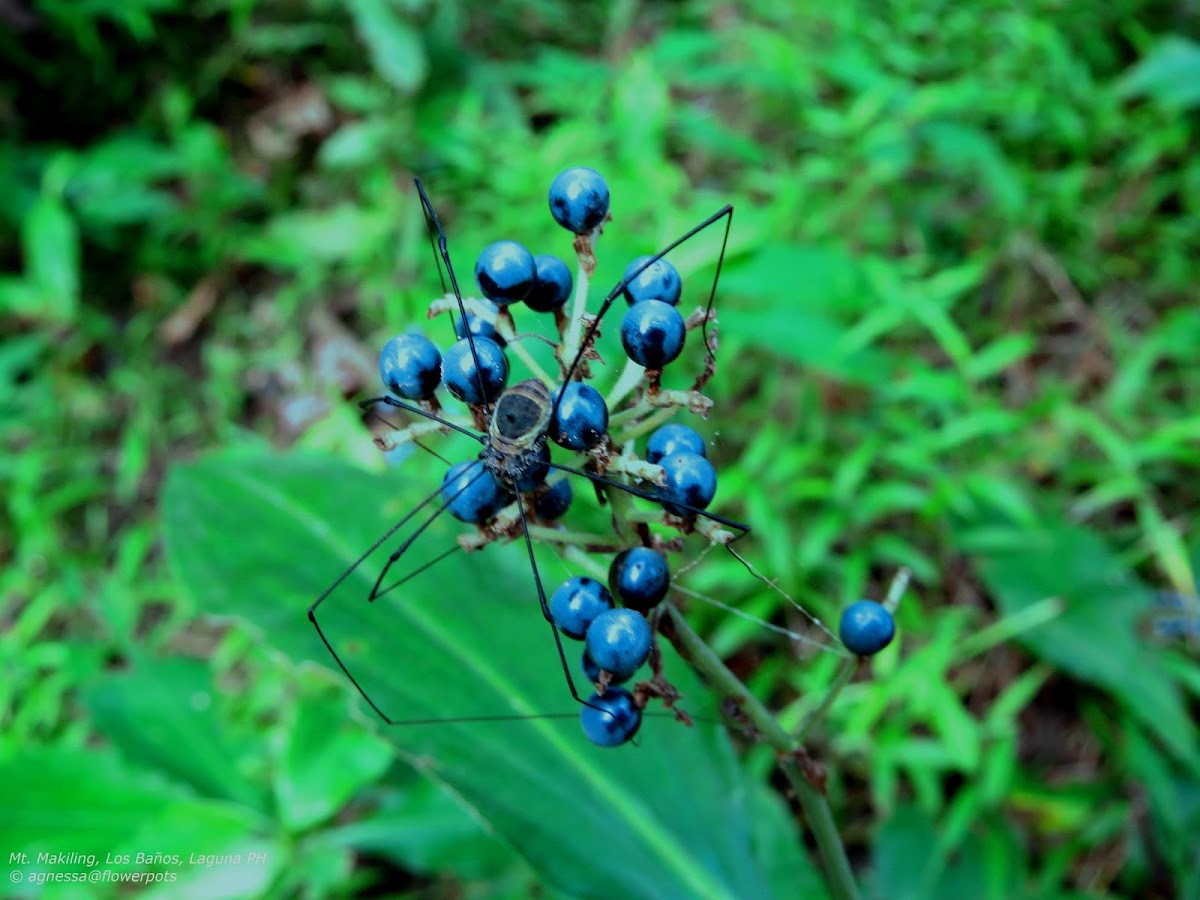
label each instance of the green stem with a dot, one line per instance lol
(710, 667)
(838, 875)
(630, 377)
(849, 667)
(571, 343)
(816, 809)
(562, 536)
(647, 424)
(514, 344)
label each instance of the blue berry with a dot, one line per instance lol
(478, 326)
(639, 577)
(581, 420)
(471, 493)
(553, 286)
(866, 627)
(555, 502)
(463, 379)
(536, 468)
(505, 272)
(411, 366)
(674, 438)
(658, 281)
(691, 481)
(610, 719)
(619, 641)
(575, 604)
(591, 671)
(579, 199)
(652, 333)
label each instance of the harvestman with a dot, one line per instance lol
(514, 441)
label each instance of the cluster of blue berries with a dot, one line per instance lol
(614, 622)
(617, 639)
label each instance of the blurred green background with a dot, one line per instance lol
(959, 331)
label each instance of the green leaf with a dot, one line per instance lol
(1096, 639)
(426, 829)
(803, 300)
(260, 537)
(327, 759)
(301, 239)
(395, 47)
(358, 144)
(66, 799)
(1170, 74)
(161, 706)
(967, 151)
(51, 243)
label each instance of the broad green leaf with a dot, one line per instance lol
(1170, 74)
(1096, 639)
(426, 829)
(801, 302)
(259, 538)
(50, 241)
(303, 239)
(395, 47)
(327, 759)
(967, 151)
(160, 707)
(89, 802)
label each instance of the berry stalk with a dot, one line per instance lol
(701, 657)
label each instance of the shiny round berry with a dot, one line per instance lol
(471, 493)
(610, 719)
(575, 604)
(658, 281)
(591, 671)
(411, 366)
(674, 438)
(535, 468)
(505, 272)
(555, 502)
(691, 481)
(866, 628)
(581, 418)
(639, 577)
(652, 333)
(465, 381)
(477, 325)
(619, 641)
(552, 288)
(579, 199)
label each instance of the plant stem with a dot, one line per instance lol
(570, 343)
(838, 875)
(816, 809)
(630, 377)
(849, 667)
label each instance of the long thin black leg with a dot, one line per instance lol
(726, 211)
(312, 616)
(408, 407)
(375, 546)
(417, 571)
(411, 539)
(378, 418)
(444, 250)
(541, 592)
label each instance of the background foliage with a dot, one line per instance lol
(959, 332)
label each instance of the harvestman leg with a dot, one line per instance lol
(541, 591)
(375, 590)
